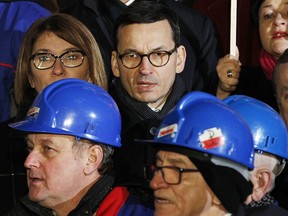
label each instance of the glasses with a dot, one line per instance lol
(172, 175)
(69, 59)
(156, 58)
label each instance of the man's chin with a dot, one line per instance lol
(35, 196)
(163, 211)
(150, 100)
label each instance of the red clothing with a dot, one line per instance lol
(113, 202)
(120, 202)
(268, 63)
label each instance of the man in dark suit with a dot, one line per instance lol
(197, 35)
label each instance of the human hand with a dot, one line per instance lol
(228, 70)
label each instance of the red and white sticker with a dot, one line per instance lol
(33, 112)
(211, 138)
(171, 129)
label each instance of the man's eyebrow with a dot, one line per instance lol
(45, 139)
(176, 160)
(130, 50)
(172, 160)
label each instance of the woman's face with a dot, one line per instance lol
(273, 19)
(51, 43)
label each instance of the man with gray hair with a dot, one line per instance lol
(204, 155)
(271, 152)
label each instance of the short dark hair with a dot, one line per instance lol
(147, 11)
(282, 59)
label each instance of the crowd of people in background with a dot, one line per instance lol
(128, 108)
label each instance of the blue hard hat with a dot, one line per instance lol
(77, 108)
(202, 122)
(268, 129)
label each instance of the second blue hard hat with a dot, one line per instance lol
(202, 122)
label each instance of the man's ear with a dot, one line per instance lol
(181, 58)
(261, 182)
(218, 204)
(215, 200)
(114, 64)
(94, 159)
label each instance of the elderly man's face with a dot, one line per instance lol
(192, 196)
(55, 173)
(282, 91)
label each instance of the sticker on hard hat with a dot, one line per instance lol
(211, 138)
(171, 129)
(33, 112)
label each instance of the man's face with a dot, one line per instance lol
(192, 196)
(147, 83)
(273, 30)
(282, 91)
(54, 172)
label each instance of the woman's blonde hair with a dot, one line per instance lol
(69, 29)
